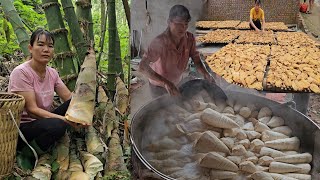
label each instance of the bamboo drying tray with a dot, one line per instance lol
(9, 132)
(294, 68)
(242, 64)
(294, 38)
(258, 38)
(244, 25)
(219, 36)
(276, 26)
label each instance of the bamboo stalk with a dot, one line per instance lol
(82, 104)
(77, 38)
(17, 25)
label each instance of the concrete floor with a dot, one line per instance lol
(312, 21)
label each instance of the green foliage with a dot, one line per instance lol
(30, 15)
(123, 175)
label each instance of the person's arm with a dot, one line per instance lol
(253, 25)
(62, 90)
(263, 21)
(155, 50)
(32, 108)
(145, 68)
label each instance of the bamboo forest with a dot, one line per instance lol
(92, 58)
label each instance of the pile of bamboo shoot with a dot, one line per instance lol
(206, 138)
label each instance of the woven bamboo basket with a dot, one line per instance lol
(8, 129)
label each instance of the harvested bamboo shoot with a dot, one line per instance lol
(94, 145)
(115, 161)
(63, 152)
(265, 151)
(91, 164)
(265, 160)
(121, 97)
(247, 166)
(75, 163)
(79, 175)
(43, 169)
(82, 104)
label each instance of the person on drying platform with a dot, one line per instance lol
(36, 82)
(167, 56)
(257, 21)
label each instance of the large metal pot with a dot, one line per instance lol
(303, 127)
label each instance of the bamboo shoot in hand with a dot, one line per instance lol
(82, 104)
